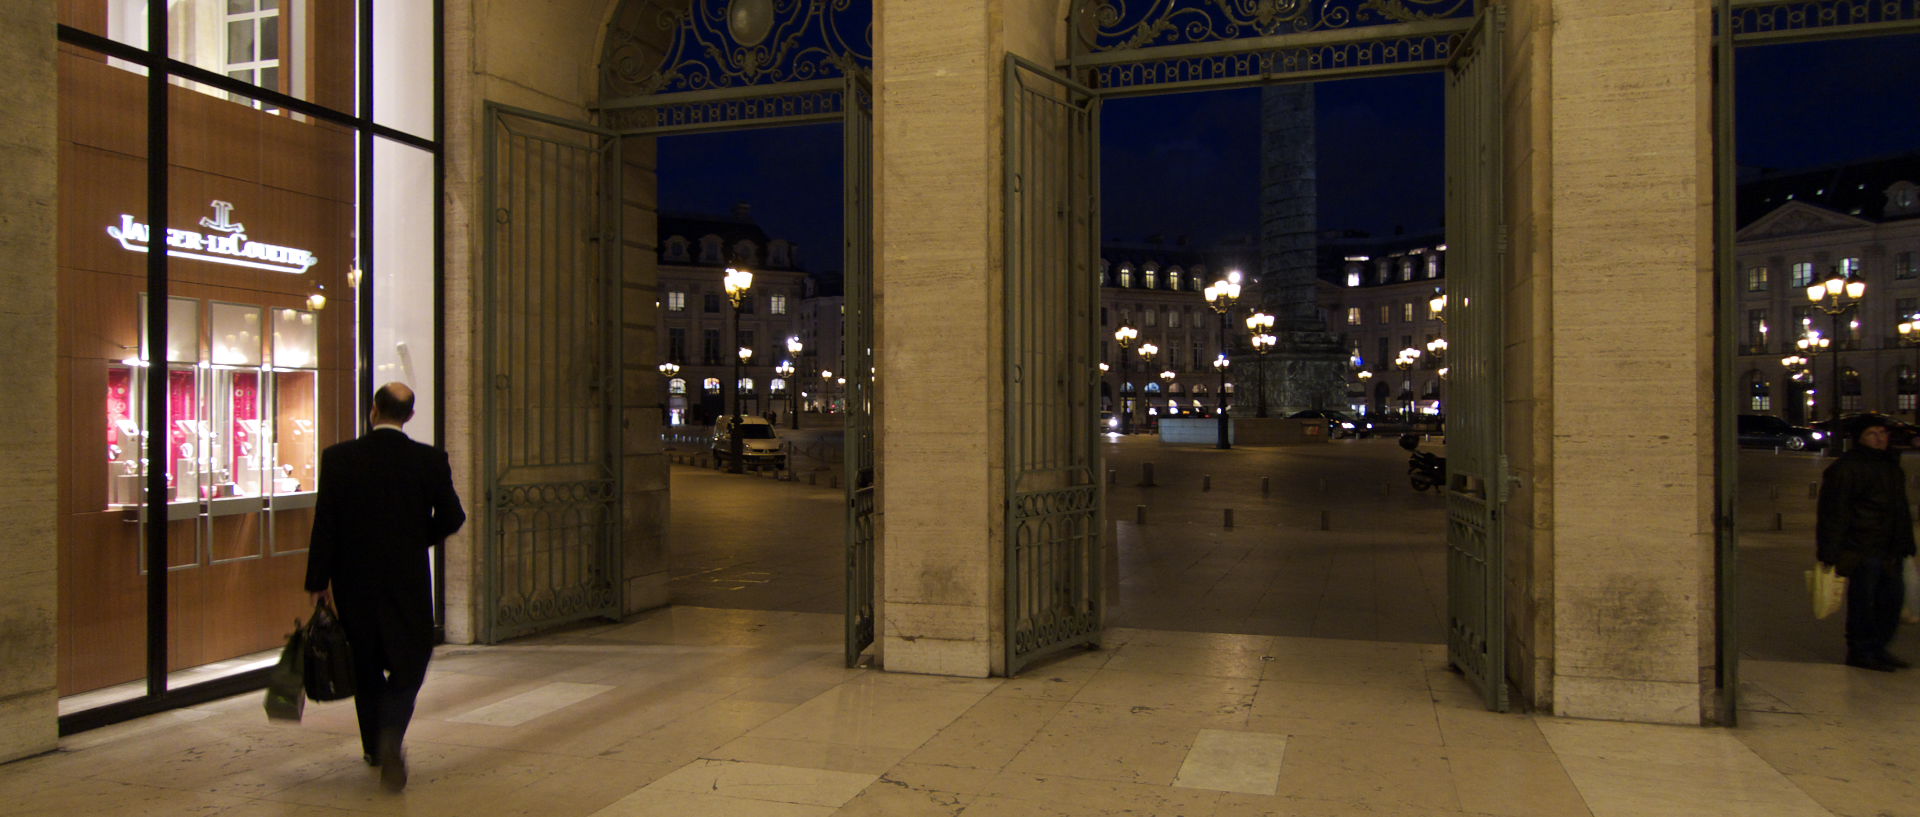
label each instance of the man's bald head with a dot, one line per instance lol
(393, 403)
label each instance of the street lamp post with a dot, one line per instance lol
(1166, 389)
(737, 282)
(1146, 352)
(793, 348)
(1125, 336)
(1836, 296)
(667, 371)
(1365, 377)
(1257, 325)
(1221, 296)
(785, 372)
(1405, 362)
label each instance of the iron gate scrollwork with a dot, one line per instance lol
(1476, 463)
(857, 362)
(550, 359)
(1054, 500)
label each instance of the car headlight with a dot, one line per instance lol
(1347, 426)
(1818, 436)
(1113, 422)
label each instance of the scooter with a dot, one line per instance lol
(1425, 470)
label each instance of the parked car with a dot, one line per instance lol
(1901, 433)
(758, 445)
(1109, 423)
(1767, 431)
(1339, 423)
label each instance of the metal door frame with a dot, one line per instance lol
(1054, 497)
(1477, 475)
(1739, 23)
(599, 594)
(856, 349)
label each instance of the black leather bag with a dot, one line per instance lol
(286, 693)
(328, 674)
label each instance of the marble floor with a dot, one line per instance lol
(693, 711)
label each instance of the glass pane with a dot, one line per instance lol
(120, 20)
(239, 6)
(240, 41)
(403, 66)
(270, 38)
(403, 342)
(183, 329)
(296, 339)
(269, 4)
(238, 334)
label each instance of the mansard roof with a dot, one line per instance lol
(1798, 218)
(1857, 189)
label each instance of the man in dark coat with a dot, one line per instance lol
(384, 501)
(1865, 528)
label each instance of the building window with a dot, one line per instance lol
(1173, 319)
(1906, 388)
(1433, 266)
(677, 385)
(743, 339)
(1173, 279)
(747, 306)
(1849, 266)
(676, 301)
(1151, 316)
(1353, 316)
(1383, 273)
(1757, 279)
(745, 252)
(710, 347)
(1384, 343)
(712, 385)
(1905, 265)
(676, 344)
(776, 304)
(1406, 269)
(1757, 330)
(1126, 276)
(1759, 392)
(253, 44)
(1406, 312)
(1904, 309)
(1103, 316)
(711, 302)
(677, 249)
(778, 384)
(1152, 279)
(1153, 387)
(709, 249)
(1353, 276)
(1199, 358)
(1386, 313)
(1850, 389)
(1800, 275)
(746, 385)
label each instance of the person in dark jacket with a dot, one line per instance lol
(1864, 530)
(384, 501)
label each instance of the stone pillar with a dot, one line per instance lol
(28, 478)
(1307, 367)
(938, 167)
(1629, 224)
(643, 461)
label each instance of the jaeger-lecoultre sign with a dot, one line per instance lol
(228, 245)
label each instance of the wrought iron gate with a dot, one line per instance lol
(550, 362)
(1054, 498)
(1476, 460)
(857, 362)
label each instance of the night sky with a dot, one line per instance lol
(1187, 164)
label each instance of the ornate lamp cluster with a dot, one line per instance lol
(1835, 296)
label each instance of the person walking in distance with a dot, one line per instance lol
(384, 501)
(1864, 530)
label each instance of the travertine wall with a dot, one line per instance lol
(1629, 218)
(938, 165)
(543, 57)
(28, 189)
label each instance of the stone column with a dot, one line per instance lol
(643, 462)
(29, 478)
(938, 168)
(1307, 367)
(1629, 226)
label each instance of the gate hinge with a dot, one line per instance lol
(1504, 480)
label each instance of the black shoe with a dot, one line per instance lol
(1894, 661)
(1872, 662)
(371, 760)
(393, 767)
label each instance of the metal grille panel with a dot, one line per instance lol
(857, 363)
(1053, 530)
(550, 361)
(1476, 465)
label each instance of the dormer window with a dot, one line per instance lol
(677, 249)
(777, 253)
(745, 252)
(1903, 198)
(710, 249)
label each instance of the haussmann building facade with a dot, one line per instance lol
(217, 247)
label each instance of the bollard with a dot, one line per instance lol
(1146, 475)
(1813, 490)
(1778, 523)
(1113, 476)
(1326, 519)
(1266, 486)
(1229, 518)
(1139, 514)
(1206, 482)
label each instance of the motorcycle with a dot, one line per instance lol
(1424, 469)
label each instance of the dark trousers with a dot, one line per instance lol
(388, 669)
(1875, 592)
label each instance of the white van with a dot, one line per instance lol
(758, 445)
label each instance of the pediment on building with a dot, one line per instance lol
(1799, 218)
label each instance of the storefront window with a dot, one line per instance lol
(255, 364)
